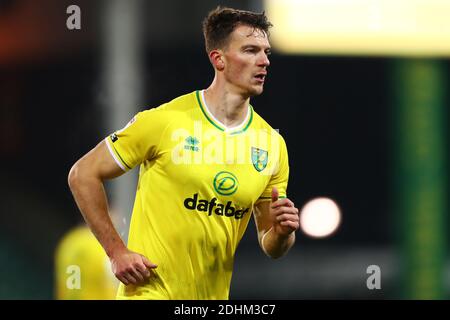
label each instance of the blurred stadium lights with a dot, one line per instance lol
(373, 27)
(320, 218)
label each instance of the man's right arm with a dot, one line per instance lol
(86, 183)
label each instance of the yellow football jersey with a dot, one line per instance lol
(198, 183)
(82, 268)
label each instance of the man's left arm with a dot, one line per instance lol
(276, 223)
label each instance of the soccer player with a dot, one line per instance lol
(207, 162)
(82, 269)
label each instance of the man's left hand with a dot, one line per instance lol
(284, 214)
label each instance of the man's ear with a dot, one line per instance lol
(217, 59)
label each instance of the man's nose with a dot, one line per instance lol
(264, 60)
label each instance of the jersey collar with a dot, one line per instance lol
(216, 123)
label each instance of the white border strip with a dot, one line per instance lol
(114, 156)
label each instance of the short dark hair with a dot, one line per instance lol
(222, 21)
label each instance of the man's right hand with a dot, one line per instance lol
(131, 267)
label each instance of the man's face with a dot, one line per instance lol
(246, 60)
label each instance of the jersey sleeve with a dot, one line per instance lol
(139, 139)
(280, 175)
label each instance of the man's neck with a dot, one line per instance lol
(226, 106)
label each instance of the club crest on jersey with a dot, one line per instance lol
(259, 158)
